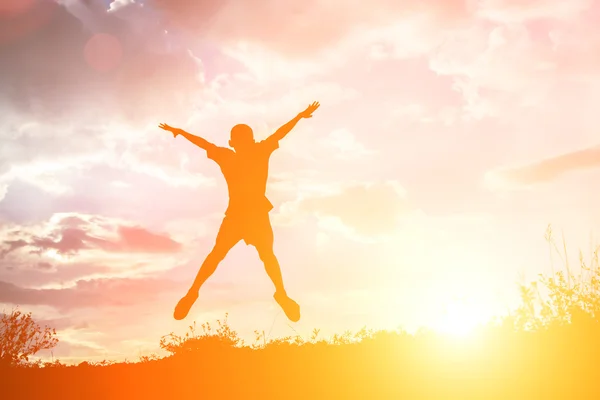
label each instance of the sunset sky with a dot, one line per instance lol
(450, 134)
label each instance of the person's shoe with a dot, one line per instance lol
(289, 306)
(185, 304)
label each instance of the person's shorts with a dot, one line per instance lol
(254, 229)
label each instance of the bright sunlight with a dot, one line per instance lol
(460, 318)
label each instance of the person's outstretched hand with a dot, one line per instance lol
(309, 110)
(174, 131)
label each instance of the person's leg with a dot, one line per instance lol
(262, 239)
(289, 306)
(224, 243)
(227, 237)
(267, 256)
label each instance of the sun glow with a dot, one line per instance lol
(460, 318)
(55, 255)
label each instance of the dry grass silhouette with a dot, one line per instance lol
(547, 349)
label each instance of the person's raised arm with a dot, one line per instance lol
(285, 129)
(197, 140)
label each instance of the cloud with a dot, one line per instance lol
(119, 4)
(545, 170)
(364, 209)
(345, 145)
(163, 158)
(530, 61)
(496, 68)
(72, 234)
(137, 239)
(511, 11)
(307, 26)
(46, 72)
(58, 252)
(36, 272)
(295, 27)
(294, 39)
(11, 245)
(78, 85)
(274, 108)
(63, 159)
(61, 323)
(89, 294)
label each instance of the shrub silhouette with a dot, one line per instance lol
(195, 341)
(562, 297)
(21, 337)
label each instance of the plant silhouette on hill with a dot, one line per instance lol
(194, 340)
(21, 337)
(564, 297)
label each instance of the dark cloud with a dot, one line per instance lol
(44, 266)
(37, 272)
(11, 245)
(136, 239)
(70, 241)
(73, 222)
(44, 71)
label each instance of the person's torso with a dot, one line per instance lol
(246, 175)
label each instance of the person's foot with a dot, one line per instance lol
(289, 306)
(185, 304)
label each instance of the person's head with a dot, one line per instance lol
(242, 137)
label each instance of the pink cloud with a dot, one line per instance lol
(370, 209)
(550, 168)
(30, 271)
(503, 67)
(136, 239)
(297, 28)
(510, 11)
(73, 234)
(11, 245)
(86, 294)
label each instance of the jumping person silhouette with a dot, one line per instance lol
(246, 169)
